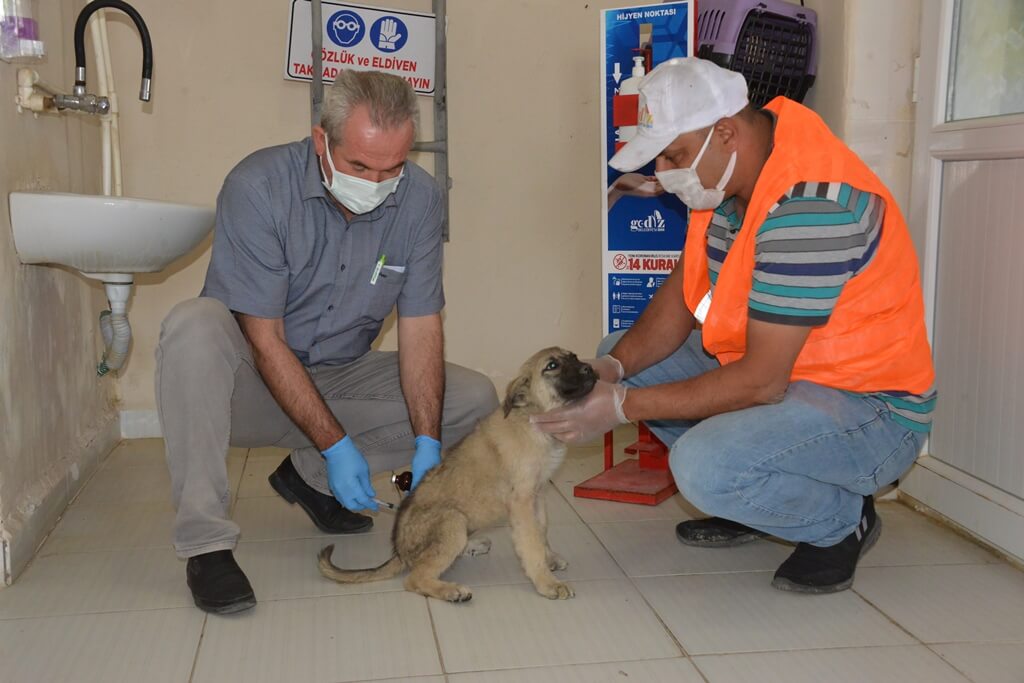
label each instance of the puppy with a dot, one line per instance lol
(497, 473)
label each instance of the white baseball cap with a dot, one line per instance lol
(679, 96)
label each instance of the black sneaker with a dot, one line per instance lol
(811, 569)
(326, 512)
(716, 532)
(218, 584)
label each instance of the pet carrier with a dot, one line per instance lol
(771, 42)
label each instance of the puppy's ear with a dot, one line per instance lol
(517, 394)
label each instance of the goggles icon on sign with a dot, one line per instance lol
(345, 28)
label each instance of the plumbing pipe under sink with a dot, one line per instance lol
(114, 326)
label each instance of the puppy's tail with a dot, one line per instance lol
(389, 569)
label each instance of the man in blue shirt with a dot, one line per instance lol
(316, 242)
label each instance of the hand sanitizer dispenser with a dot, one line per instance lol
(631, 87)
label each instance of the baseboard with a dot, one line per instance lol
(23, 536)
(991, 515)
(140, 424)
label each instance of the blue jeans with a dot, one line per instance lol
(797, 469)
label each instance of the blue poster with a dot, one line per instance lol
(628, 295)
(642, 223)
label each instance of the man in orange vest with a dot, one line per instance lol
(785, 359)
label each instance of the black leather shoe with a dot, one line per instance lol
(716, 532)
(811, 569)
(218, 584)
(326, 512)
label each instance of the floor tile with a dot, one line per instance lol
(676, 670)
(910, 538)
(254, 482)
(106, 599)
(127, 484)
(650, 548)
(322, 640)
(288, 568)
(512, 626)
(97, 527)
(913, 664)
(149, 452)
(955, 603)
(559, 511)
(986, 662)
(270, 452)
(141, 483)
(82, 583)
(135, 453)
(724, 613)
(152, 646)
(575, 543)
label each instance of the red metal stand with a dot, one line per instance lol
(646, 479)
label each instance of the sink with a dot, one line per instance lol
(106, 238)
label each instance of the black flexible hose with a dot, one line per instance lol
(83, 19)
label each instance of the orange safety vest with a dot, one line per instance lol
(875, 339)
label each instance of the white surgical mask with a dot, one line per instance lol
(355, 194)
(685, 183)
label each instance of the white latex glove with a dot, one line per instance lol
(607, 368)
(590, 417)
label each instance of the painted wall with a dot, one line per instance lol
(865, 82)
(523, 265)
(57, 418)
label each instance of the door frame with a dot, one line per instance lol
(982, 510)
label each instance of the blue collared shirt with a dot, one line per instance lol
(283, 249)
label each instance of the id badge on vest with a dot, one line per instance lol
(702, 308)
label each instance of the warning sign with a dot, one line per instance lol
(363, 39)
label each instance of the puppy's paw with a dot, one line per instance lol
(556, 590)
(477, 546)
(457, 593)
(556, 562)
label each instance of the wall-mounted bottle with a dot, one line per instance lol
(19, 31)
(628, 87)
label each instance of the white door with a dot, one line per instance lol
(967, 216)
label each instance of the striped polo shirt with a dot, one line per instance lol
(815, 238)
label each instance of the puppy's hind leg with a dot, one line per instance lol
(446, 542)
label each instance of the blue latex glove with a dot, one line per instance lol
(426, 458)
(349, 476)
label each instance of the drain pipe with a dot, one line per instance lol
(117, 333)
(114, 326)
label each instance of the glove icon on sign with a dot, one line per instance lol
(389, 35)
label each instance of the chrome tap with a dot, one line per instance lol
(90, 104)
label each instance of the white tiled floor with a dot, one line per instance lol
(105, 600)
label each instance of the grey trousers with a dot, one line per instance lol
(210, 397)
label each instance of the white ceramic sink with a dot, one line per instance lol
(106, 238)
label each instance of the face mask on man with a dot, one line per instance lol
(685, 183)
(355, 194)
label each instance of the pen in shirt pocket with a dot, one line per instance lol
(376, 269)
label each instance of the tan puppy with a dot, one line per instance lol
(497, 473)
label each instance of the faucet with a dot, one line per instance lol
(80, 100)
